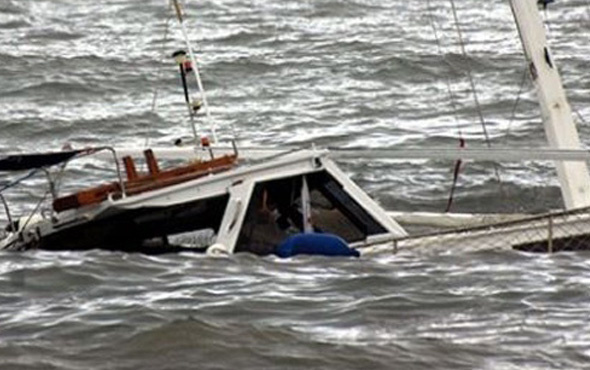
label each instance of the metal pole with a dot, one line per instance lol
(193, 60)
(560, 128)
(118, 167)
(7, 210)
(191, 111)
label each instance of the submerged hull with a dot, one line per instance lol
(250, 208)
(546, 233)
(144, 230)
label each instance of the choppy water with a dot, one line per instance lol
(337, 72)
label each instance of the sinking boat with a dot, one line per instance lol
(218, 205)
(297, 202)
(293, 201)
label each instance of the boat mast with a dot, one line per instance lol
(557, 116)
(195, 66)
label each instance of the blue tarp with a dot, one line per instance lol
(315, 244)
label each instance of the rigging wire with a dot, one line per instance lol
(213, 126)
(18, 181)
(470, 76)
(160, 67)
(523, 81)
(452, 99)
(475, 96)
(37, 207)
(440, 52)
(179, 7)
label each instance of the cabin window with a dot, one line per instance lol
(275, 213)
(334, 211)
(193, 225)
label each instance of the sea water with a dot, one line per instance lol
(341, 73)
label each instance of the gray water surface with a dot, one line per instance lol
(331, 72)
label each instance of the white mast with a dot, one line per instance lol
(557, 116)
(195, 66)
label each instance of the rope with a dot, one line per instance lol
(458, 163)
(525, 73)
(160, 68)
(18, 181)
(440, 52)
(516, 102)
(455, 178)
(475, 96)
(470, 76)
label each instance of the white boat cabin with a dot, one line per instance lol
(249, 208)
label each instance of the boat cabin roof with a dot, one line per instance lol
(247, 206)
(259, 205)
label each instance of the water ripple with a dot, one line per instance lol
(333, 72)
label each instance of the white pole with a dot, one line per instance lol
(500, 154)
(193, 60)
(557, 116)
